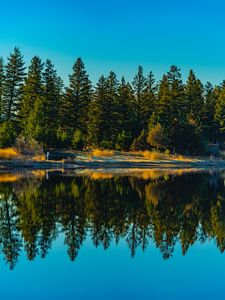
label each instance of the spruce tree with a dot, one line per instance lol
(2, 78)
(210, 126)
(139, 86)
(195, 98)
(74, 110)
(220, 111)
(31, 91)
(43, 119)
(14, 77)
(51, 102)
(97, 127)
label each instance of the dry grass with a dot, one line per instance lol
(98, 152)
(8, 153)
(9, 177)
(154, 155)
(39, 157)
(158, 156)
(101, 175)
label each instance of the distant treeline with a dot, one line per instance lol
(115, 114)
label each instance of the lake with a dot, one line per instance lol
(103, 234)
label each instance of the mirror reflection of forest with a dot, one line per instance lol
(166, 208)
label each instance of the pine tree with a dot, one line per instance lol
(31, 91)
(220, 111)
(97, 127)
(148, 100)
(14, 77)
(51, 102)
(2, 78)
(43, 119)
(139, 86)
(163, 111)
(75, 104)
(126, 118)
(210, 126)
(195, 98)
(178, 105)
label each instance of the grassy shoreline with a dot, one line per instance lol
(68, 159)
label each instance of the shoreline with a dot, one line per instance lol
(10, 165)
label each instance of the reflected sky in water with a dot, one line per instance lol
(97, 235)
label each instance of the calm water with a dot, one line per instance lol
(99, 235)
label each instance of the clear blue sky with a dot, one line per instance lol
(119, 35)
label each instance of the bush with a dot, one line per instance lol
(157, 137)
(28, 146)
(77, 140)
(7, 134)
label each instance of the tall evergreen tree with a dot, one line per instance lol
(75, 105)
(210, 125)
(139, 86)
(42, 122)
(195, 98)
(2, 78)
(97, 127)
(14, 77)
(220, 111)
(31, 91)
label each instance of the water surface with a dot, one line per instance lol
(112, 235)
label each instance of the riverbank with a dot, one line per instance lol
(70, 160)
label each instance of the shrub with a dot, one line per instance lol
(157, 137)
(28, 146)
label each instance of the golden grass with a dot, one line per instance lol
(157, 156)
(9, 177)
(98, 152)
(101, 176)
(8, 153)
(39, 157)
(154, 155)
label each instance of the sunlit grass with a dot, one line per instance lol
(9, 177)
(39, 157)
(99, 152)
(8, 153)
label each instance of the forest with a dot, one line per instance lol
(167, 115)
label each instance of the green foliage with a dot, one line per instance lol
(77, 140)
(63, 137)
(14, 77)
(113, 115)
(158, 138)
(140, 143)
(123, 141)
(7, 134)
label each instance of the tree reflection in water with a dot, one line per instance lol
(180, 207)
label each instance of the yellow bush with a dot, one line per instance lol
(98, 152)
(8, 153)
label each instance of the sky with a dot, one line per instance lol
(119, 35)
